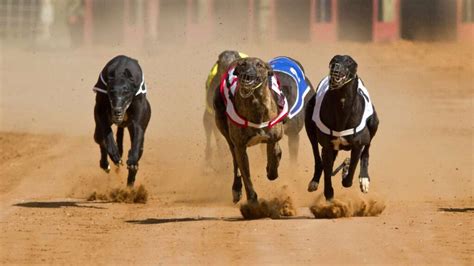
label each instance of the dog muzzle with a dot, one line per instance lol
(119, 115)
(248, 84)
(250, 81)
(339, 76)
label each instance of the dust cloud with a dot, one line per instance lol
(346, 205)
(280, 206)
(123, 195)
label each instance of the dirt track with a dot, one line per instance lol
(421, 165)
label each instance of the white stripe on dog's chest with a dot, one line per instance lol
(338, 142)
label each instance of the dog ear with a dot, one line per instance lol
(269, 69)
(352, 64)
(334, 60)
(237, 65)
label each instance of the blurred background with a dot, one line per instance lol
(147, 23)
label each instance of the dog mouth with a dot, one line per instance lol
(339, 79)
(339, 75)
(250, 80)
(118, 119)
(119, 114)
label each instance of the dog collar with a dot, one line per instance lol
(142, 89)
(323, 87)
(229, 86)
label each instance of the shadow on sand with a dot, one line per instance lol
(198, 219)
(57, 204)
(456, 209)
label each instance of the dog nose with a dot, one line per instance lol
(117, 112)
(251, 71)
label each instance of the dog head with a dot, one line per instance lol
(252, 73)
(225, 59)
(342, 70)
(122, 85)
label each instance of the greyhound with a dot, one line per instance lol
(249, 110)
(297, 89)
(121, 100)
(212, 85)
(341, 116)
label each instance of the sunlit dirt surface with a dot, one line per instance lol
(420, 164)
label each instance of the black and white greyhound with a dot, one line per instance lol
(341, 116)
(121, 100)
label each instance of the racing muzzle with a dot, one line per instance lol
(339, 75)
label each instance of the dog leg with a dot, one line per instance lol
(237, 185)
(355, 156)
(329, 155)
(318, 165)
(103, 134)
(119, 137)
(364, 179)
(273, 160)
(135, 152)
(104, 148)
(104, 163)
(243, 163)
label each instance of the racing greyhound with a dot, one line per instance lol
(341, 116)
(121, 100)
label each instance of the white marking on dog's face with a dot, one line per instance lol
(338, 142)
(364, 184)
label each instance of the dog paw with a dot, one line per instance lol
(328, 193)
(107, 170)
(345, 168)
(114, 155)
(132, 167)
(364, 183)
(272, 174)
(236, 196)
(132, 160)
(346, 182)
(272, 177)
(105, 166)
(116, 159)
(313, 186)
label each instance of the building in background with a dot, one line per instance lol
(141, 23)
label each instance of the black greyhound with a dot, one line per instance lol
(121, 100)
(341, 117)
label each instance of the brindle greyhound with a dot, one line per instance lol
(257, 121)
(212, 86)
(121, 100)
(341, 116)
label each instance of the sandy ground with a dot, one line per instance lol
(421, 165)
